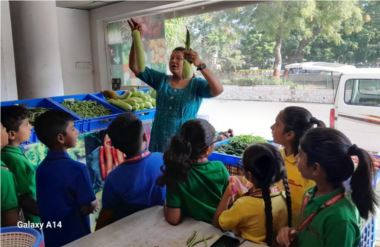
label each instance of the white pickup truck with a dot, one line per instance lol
(356, 109)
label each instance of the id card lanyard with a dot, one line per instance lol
(137, 157)
(327, 204)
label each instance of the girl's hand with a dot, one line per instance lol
(134, 25)
(192, 57)
(285, 236)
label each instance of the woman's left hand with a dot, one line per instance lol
(192, 57)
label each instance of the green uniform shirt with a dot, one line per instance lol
(337, 225)
(8, 190)
(200, 194)
(24, 172)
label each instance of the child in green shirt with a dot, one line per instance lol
(329, 216)
(9, 203)
(15, 120)
(194, 185)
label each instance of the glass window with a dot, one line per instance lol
(362, 92)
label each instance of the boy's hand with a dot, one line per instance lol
(89, 209)
(28, 204)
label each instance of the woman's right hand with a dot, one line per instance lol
(285, 236)
(134, 25)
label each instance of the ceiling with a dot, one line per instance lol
(85, 5)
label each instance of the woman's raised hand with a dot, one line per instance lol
(134, 25)
(192, 57)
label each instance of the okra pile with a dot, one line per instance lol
(86, 108)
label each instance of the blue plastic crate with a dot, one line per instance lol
(91, 124)
(21, 237)
(368, 227)
(45, 103)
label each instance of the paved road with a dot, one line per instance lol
(253, 117)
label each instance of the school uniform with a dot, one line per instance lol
(63, 186)
(298, 185)
(8, 190)
(132, 185)
(336, 225)
(199, 196)
(24, 173)
(247, 216)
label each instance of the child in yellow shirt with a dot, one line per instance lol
(290, 125)
(260, 213)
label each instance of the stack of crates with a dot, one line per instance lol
(45, 103)
(368, 227)
(84, 125)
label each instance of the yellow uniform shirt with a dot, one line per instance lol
(297, 184)
(246, 217)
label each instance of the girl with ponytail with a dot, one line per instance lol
(329, 216)
(290, 125)
(264, 209)
(194, 185)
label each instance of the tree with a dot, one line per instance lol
(213, 35)
(327, 20)
(277, 19)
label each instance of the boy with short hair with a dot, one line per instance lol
(64, 191)
(9, 203)
(131, 186)
(15, 120)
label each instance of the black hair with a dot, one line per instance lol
(299, 120)
(179, 48)
(12, 116)
(51, 123)
(185, 148)
(126, 133)
(332, 150)
(266, 165)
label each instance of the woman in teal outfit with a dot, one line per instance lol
(178, 99)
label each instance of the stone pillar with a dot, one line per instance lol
(8, 73)
(36, 45)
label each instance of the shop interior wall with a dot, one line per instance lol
(8, 73)
(75, 49)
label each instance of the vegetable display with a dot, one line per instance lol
(86, 108)
(131, 100)
(35, 112)
(238, 144)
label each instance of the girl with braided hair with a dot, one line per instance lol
(264, 209)
(194, 185)
(330, 214)
(290, 125)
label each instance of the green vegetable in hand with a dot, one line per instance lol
(139, 49)
(187, 70)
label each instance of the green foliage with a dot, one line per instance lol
(245, 37)
(238, 144)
